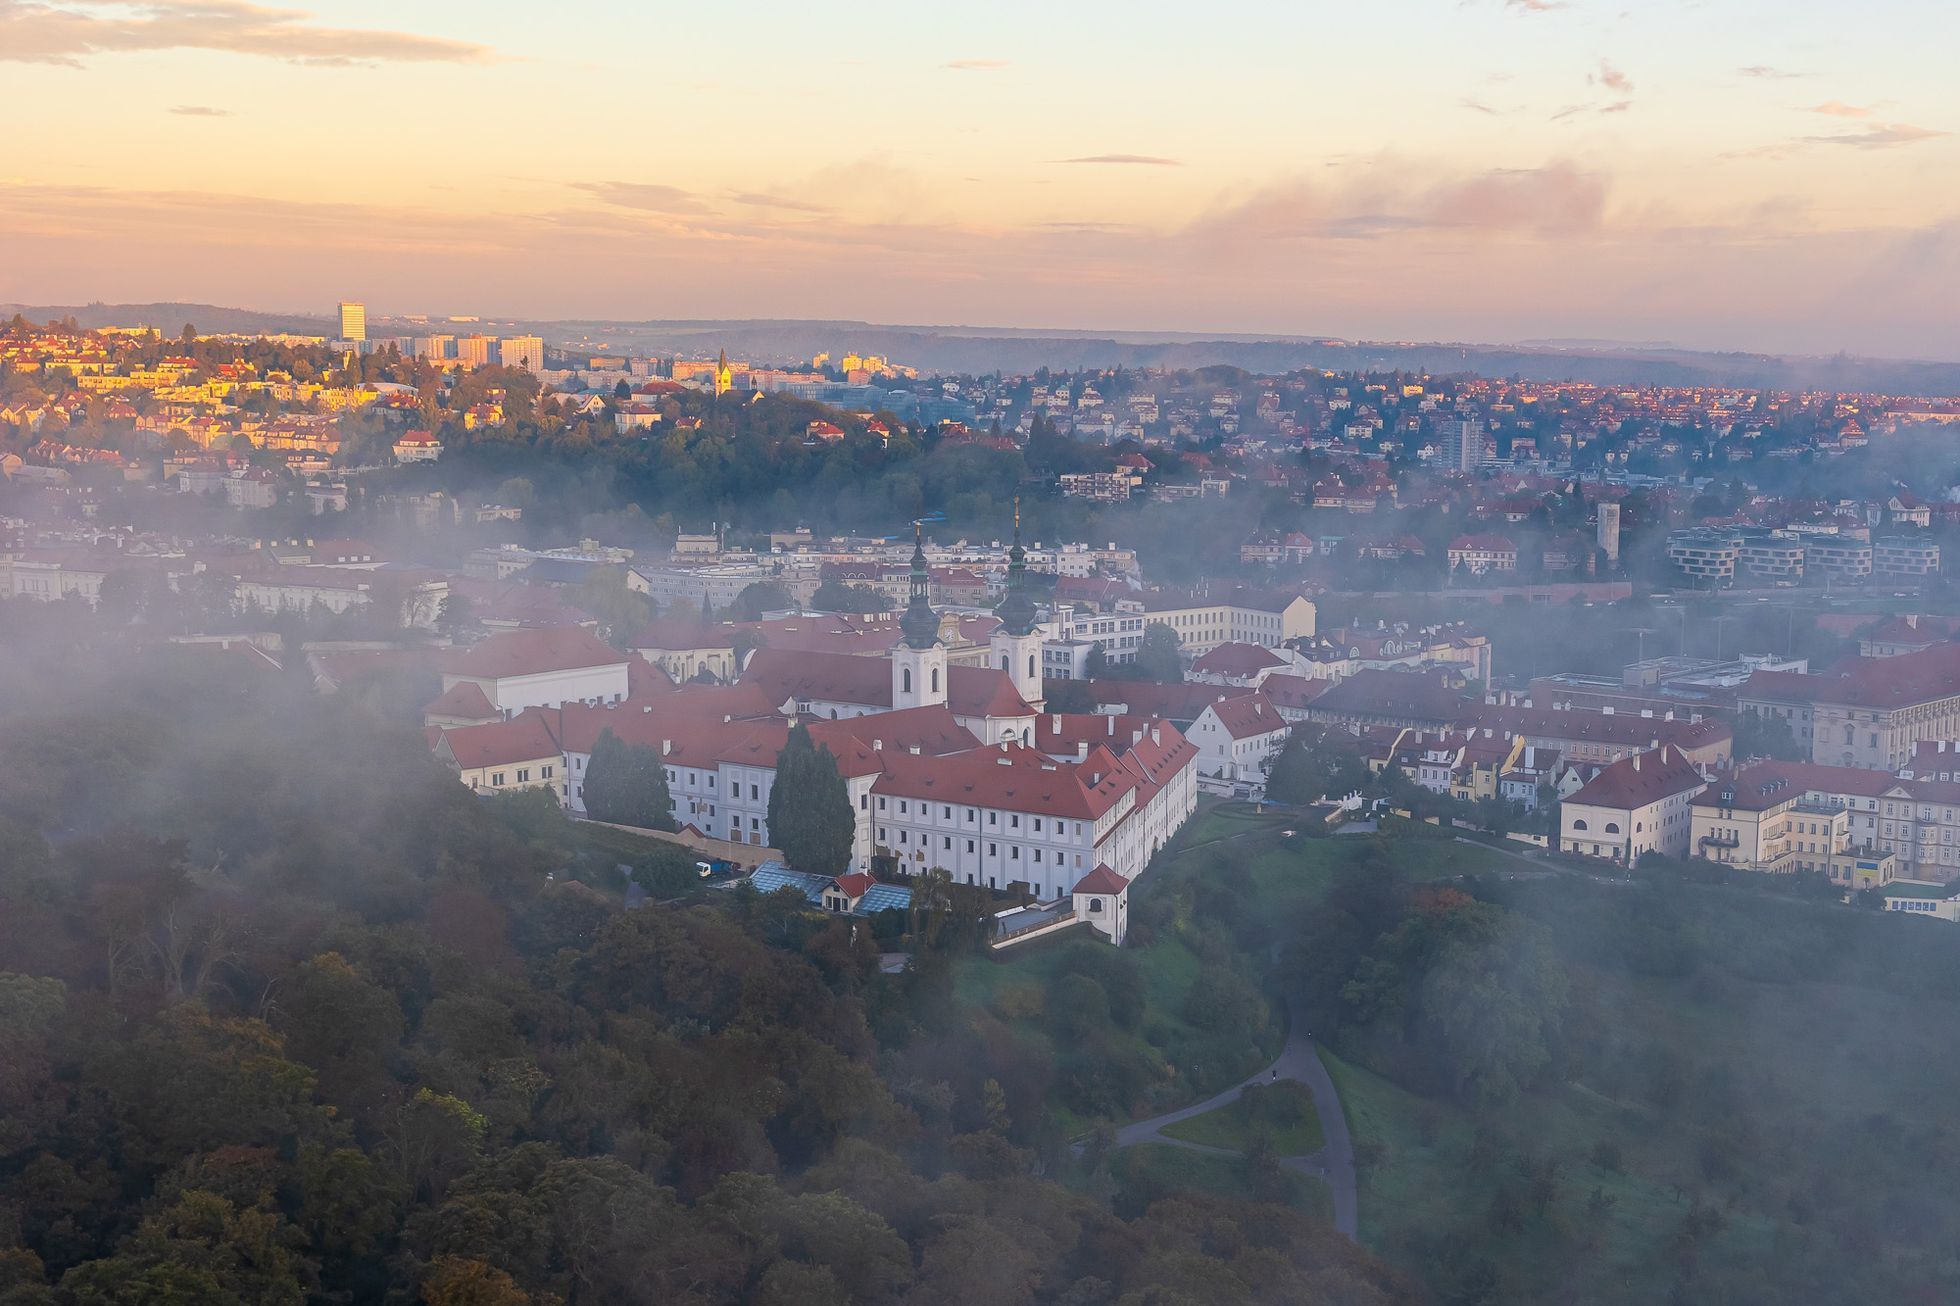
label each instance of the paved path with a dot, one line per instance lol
(1334, 1162)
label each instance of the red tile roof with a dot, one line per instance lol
(526, 737)
(1065, 732)
(1008, 777)
(463, 701)
(1237, 660)
(1879, 683)
(530, 652)
(1248, 716)
(1293, 691)
(1102, 880)
(1177, 702)
(1426, 696)
(842, 678)
(855, 884)
(1641, 779)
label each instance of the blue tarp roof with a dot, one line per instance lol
(771, 876)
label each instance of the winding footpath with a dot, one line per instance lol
(1334, 1162)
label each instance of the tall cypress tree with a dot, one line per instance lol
(810, 815)
(626, 784)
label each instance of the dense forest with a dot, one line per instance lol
(289, 1016)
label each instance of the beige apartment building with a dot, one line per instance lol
(1871, 716)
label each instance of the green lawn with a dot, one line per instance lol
(1233, 1127)
(1152, 1170)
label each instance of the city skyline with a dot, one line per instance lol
(1697, 174)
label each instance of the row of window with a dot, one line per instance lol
(971, 814)
(905, 840)
(523, 775)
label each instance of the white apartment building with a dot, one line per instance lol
(1638, 805)
(526, 352)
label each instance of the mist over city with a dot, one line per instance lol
(902, 676)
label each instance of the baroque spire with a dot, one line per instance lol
(920, 623)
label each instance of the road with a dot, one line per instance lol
(1334, 1162)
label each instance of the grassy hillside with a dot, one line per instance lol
(1744, 1101)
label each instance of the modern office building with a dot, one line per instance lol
(353, 322)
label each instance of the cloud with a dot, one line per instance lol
(1580, 110)
(1612, 78)
(1767, 73)
(1559, 198)
(1477, 106)
(975, 65)
(1839, 109)
(759, 200)
(1735, 281)
(645, 196)
(1882, 136)
(1535, 6)
(199, 111)
(1089, 228)
(1148, 160)
(67, 32)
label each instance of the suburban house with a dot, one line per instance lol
(1638, 805)
(1237, 739)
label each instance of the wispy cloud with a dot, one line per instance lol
(975, 65)
(1147, 160)
(1560, 198)
(1880, 137)
(758, 199)
(1477, 106)
(199, 111)
(1839, 109)
(1765, 72)
(1612, 78)
(1590, 110)
(1535, 6)
(646, 196)
(67, 32)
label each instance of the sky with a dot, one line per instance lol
(1775, 175)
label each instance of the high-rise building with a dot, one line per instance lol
(353, 321)
(1609, 531)
(434, 347)
(1462, 443)
(526, 352)
(473, 350)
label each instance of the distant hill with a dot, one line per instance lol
(170, 318)
(976, 349)
(1021, 350)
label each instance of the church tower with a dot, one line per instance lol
(1016, 645)
(724, 375)
(919, 661)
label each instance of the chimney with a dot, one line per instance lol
(1156, 735)
(666, 747)
(1636, 761)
